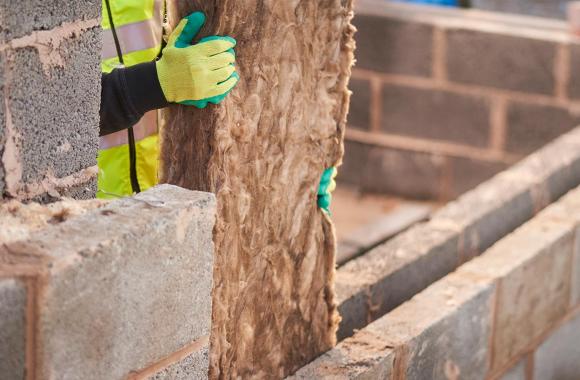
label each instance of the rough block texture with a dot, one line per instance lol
(387, 171)
(479, 90)
(530, 126)
(373, 284)
(360, 106)
(541, 8)
(517, 372)
(380, 38)
(55, 139)
(121, 287)
(467, 173)
(12, 328)
(262, 151)
(18, 18)
(574, 85)
(194, 366)
(557, 357)
(438, 115)
(501, 61)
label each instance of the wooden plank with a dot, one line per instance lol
(262, 152)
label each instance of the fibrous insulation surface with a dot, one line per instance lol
(263, 151)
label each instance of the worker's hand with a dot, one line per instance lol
(197, 74)
(325, 189)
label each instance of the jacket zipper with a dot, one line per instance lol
(130, 133)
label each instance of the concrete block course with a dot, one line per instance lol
(557, 357)
(393, 46)
(517, 372)
(360, 105)
(530, 126)
(386, 171)
(574, 84)
(193, 366)
(467, 173)
(540, 8)
(122, 286)
(383, 278)
(56, 138)
(435, 114)
(13, 299)
(482, 59)
(19, 18)
(530, 264)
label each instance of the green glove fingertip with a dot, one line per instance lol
(195, 22)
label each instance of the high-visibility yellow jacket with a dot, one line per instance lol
(128, 159)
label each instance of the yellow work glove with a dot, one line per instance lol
(196, 74)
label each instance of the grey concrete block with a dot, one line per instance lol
(557, 357)
(450, 325)
(194, 366)
(2, 124)
(436, 114)
(574, 83)
(517, 372)
(541, 8)
(501, 61)
(532, 266)
(531, 126)
(394, 46)
(363, 357)
(126, 285)
(12, 329)
(353, 164)
(575, 291)
(373, 284)
(467, 173)
(411, 174)
(18, 18)
(359, 114)
(56, 113)
(487, 213)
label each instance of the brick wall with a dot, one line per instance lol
(49, 98)
(97, 290)
(445, 98)
(512, 313)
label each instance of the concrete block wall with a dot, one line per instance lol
(117, 290)
(511, 313)
(49, 98)
(446, 98)
(541, 8)
(383, 278)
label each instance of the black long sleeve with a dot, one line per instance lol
(127, 94)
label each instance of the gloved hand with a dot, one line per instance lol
(197, 74)
(325, 189)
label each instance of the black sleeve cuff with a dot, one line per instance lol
(143, 87)
(127, 94)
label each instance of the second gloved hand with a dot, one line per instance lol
(196, 74)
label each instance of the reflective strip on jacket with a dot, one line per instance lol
(139, 29)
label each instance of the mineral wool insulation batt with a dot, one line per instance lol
(262, 152)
